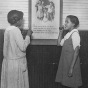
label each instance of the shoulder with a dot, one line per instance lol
(75, 35)
(15, 30)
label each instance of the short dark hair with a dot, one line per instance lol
(14, 16)
(74, 19)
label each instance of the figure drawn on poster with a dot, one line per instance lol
(45, 12)
(45, 19)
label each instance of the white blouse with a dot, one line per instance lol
(75, 38)
(14, 44)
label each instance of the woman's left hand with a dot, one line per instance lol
(29, 33)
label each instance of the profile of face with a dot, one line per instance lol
(68, 24)
(20, 23)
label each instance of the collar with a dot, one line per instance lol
(69, 33)
(10, 27)
(74, 30)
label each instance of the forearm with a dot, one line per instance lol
(59, 37)
(75, 56)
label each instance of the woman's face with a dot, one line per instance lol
(68, 24)
(20, 23)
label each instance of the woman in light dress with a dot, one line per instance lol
(14, 66)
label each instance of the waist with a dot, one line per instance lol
(14, 57)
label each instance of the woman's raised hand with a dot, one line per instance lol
(29, 33)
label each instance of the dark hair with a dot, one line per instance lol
(74, 19)
(52, 4)
(14, 16)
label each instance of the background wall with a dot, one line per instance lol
(75, 7)
(78, 8)
(7, 5)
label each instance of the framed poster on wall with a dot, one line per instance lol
(45, 18)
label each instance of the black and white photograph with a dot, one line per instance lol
(43, 43)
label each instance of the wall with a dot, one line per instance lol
(78, 8)
(7, 5)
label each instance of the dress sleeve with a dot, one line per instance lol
(5, 44)
(22, 43)
(75, 40)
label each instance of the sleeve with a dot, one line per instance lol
(65, 37)
(62, 42)
(5, 44)
(22, 43)
(75, 40)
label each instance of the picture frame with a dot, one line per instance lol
(45, 30)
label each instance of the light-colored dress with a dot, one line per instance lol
(14, 66)
(40, 11)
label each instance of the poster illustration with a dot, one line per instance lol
(45, 19)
